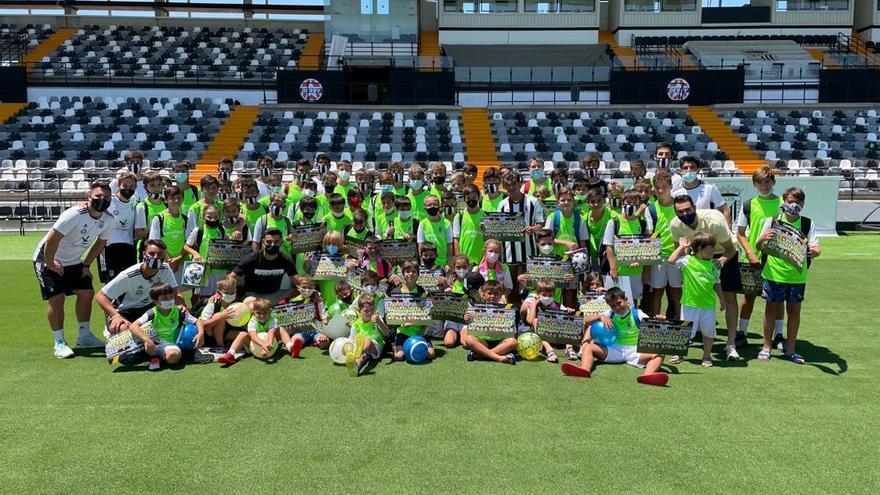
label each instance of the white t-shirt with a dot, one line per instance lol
(706, 196)
(123, 212)
(608, 238)
(130, 289)
(80, 231)
(140, 192)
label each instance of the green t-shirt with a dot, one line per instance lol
(335, 224)
(597, 230)
(436, 234)
(251, 216)
(437, 191)
(294, 194)
(400, 191)
(760, 210)
(470, 235)
(151, 211)
(209, 234)
(781, 271)
(533, 186)
(167, 327)
(418, 204)
(629, 227)
(627, 330)
(491, 205)
(665, 214)
(402, 226)
(189, 198)
(699, 277)
(199, 206)
(566, 230)
(361, 236)
(173, 232)
(343, 190)
(368, 329)
(382, 221)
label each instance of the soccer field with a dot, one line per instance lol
(82, 426)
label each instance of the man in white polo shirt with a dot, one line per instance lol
(62, 271)
(125, 298)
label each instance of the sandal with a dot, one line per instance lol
(795, 358)
(706, 363)
(764, 355)
(674, 359)
(552, 358)
(571, 354)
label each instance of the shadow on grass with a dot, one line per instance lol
(821, 357)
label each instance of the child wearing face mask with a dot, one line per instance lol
(333, 245)
(434, 230)
(536, 177)
(615, 197)
(354, 200)
(147, 209)
(531, 309)
(417, 192)
(399, 186)
(454, 282)
(404, 225)
(438, 180)
(383, 217)
(498, 351)
(448, 205)
(591, 164)
(209, 187)
(328, 180)
(546, 244)
(172, 228)
(181, 178)
(274, 219)
(197, 246)
(294, 344)
(167, 320)
(369, 290)
(784, 282)
(305, 214)
(251, 206)
(368, 330)
(344, 297)
(490, 267)
(467, 232)
(302, 175)
(216, 310)
(491, 185)
(365, 183)
(263, 331)
(627, 224)
(410, 272)
(337, 220)
(233, 223)
(343, 175)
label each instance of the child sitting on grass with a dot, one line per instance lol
(167, 320)
(367, 331)
(531, 308)
(500, 351)
(262, 330)
(410, 273)
(625, 321)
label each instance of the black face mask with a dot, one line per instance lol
(100, 204)
(365, 187)
(232, 220)
(615, 202)
(432, 211)
(472, 203)
(272, 250)
(429, 261)
(251, 200)
(224, 176)
(491, 188)
(154, 195)
(212, 223)
(265, 171)
(153, 263)
(663, 162)
(438, 180)
(126, 193)
(347, 300)
(687, 218)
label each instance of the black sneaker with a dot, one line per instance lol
(779, 342)
(741, 339)
(511, 358)
(471, 356)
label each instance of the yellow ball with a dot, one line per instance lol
(258, 351)
(528, 345)
(241, 314)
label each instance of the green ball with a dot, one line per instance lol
(528, 345)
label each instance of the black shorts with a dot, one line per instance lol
(730, 277)
(52, 284)
(132, 314)
(114, 259)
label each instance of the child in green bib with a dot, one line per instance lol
(172, 228)
(262, 336)
(493, 196)
(197, 243)
(467, 229)
(166, 320)
(368, 331)
(410, 271)
(433, 230)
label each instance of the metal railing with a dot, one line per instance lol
(12, 50)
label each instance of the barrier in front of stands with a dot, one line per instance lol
(369, 86)
(14, 87)
(849, 86)
(693, 87)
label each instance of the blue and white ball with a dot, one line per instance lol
(415, 349)
(601, 335)
(186, 337)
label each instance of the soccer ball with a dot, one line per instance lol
(186, 336)
(240, 315)
(579, 262)
(258, 351)
(415, 349)
(193, 274)
(601, 335)
(528, 345)
(339, 348)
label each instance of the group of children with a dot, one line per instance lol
(445, 217)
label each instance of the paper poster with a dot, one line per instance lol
(638, 249)
(664, 336)
(449, 307)
(307, 238)
(491, 321)
(789, 244)
(503, 226)
(226, 253)
(296, 316)
(561, 327)
(396, 252)
(401, 309)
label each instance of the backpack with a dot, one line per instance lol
(200, 233)
(806, 224)
(557, 220)
(161, 218)
(265, 220)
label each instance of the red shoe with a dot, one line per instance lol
(571, 369)
(227, 359)
(657, 379)
(296, 348)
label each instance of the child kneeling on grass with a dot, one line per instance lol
(500, 351)
(626, 323)
(167, 320)
(262, 330)
(367, 331)
(701, 289)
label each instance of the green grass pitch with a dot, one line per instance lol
(82, 426)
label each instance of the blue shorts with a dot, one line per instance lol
(779, 292)
(308, 337)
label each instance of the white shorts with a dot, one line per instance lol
(623, 354)
(703, 318)
(630, 284)
(452, 325)
(665, 274)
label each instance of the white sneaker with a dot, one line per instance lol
(62, 350)
(730, 352)
(89, 340)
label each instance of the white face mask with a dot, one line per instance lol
(368, 289)
(492, 257)
(546, 300)
(308, 193)
(227, 298)
(546, 248)
(344, 175)
(166, 304)
(461, 272)
(306, 292)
